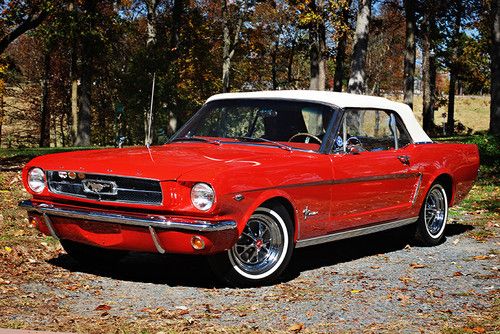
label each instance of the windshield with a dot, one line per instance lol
(292, 124)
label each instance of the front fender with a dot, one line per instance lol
(255, 200)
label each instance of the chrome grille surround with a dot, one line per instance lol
(125, 189)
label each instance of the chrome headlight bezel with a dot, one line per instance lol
(202, 196)
(37, 181)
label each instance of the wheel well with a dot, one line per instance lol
(446, 181)
(285, 203)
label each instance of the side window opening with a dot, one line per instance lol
(370, 130)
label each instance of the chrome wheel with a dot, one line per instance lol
(260, 250)
(435, 211)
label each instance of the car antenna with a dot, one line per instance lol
(149, 117)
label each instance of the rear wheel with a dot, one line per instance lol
(90, 255)
(433, 216)
(261, 253)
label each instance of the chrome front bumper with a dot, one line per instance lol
(150, 222)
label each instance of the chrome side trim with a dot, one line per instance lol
(156, 240)
(48, 222)
(341, 181)
(354, 232)
(417, 190)
(153, 221)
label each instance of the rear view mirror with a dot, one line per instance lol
(265, 113)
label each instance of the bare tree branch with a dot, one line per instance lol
(30, 23)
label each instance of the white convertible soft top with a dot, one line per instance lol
(342, 100)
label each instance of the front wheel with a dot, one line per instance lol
(262, 251)
(433, 216)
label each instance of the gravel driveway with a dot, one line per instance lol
(375, 283)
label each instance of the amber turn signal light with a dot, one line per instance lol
(33, 221)
(197, 243)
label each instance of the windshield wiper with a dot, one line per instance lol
(193, 138)
(263, 140)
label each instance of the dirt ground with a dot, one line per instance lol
(377, 283)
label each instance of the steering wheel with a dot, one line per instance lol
(304, 134)
(354, 145)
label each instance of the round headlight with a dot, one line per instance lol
(202, 196)
(36, 180)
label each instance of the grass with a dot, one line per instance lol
(472, 111)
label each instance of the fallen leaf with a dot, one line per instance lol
(457, 273)
(406, 280)
(403, 298)
(417, 265)
(103, 307)
(456, 241)
(8, 249)
(356, 291)
(477, 329)
(375, 267)
(480, 257)
(296, 327)
(183, 312)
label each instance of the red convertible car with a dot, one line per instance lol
(249, 178)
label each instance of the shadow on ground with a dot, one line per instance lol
(194, 271)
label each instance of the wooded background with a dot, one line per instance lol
(80, 72)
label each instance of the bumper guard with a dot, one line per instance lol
(151, 222)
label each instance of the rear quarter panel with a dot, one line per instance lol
(458, 161)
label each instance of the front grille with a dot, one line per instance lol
(105, 187)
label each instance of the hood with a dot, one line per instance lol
(167, 162)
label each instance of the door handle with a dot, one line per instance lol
(405, 160)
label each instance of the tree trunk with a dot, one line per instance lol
(229, 42)
(317, 42)
(428, 78)
(176, 23)
(495, 71)
(338, 76)
(61, 128)
(74, 109)
(314, 56)
(73, 74)
(150, 44)
(322, 49)
(84, 96)
(2, 111)
(454, 68)
(274, 70)
(86, 74)
(357, 78)
(409, 53)
(226, 56)
(44, 108)
(151, 22)
(289, 71)
(450, 123)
